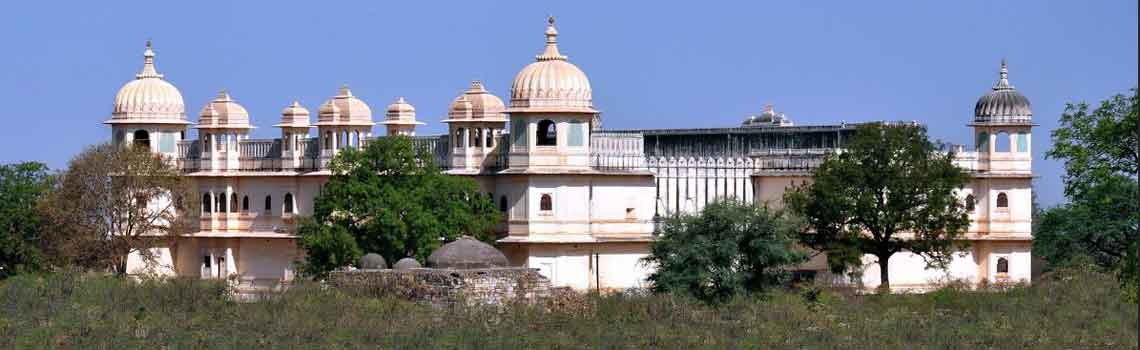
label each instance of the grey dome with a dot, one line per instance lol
(1003, 104)
(372, 261)
(466, 253)
(768, 118)
(406, 263)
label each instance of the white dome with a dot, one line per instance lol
(295, 115)
(476, 104)
(223, 113)
(551, 84)
(148, 99)
(401, 112)
(344, 109)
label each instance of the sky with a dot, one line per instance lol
(651, 65)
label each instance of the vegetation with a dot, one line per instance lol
(889, 191)
(726, 250)
(1069, 310)
(391, 199)
(1100, 222)
(110, 202)
(21, 186)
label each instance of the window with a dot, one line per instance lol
(983, 142)
(545, 203)
(1022, 142)
(328, 140)
(220, 201)
(459, 137)
(547, 133)
(518, 133)
(503, 203)
(490, 138)
(268, 204)
(1003, 142)
(477, 137)
(142, 139)
(206, 203)
(289, 203)
(233, 203)
(245, 204)
(1002, 266)
(970, 203)
(1002, 200)
(577, 134)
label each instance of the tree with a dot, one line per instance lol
(21, 187)
(113, 201)
(889, 191)
(727, 249)
(390, 198)
(1100, 151)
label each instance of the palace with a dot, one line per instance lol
(580, 203)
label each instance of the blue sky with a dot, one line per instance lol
(668, 65)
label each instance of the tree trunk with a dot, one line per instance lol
(884, 273)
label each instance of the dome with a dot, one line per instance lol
(551, 84)
(466, 253)
(768, 118)
(223, 113)
(295, 115)
(476, 104)
(372, 261)
(1003, 104)
(149, 98)
(344, 109)
(406, 264)
(401, 112)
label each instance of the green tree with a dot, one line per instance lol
(113, 201)
(889, 191)
(22, 186)
(1100, 151)
(390, 198)
(727, 249)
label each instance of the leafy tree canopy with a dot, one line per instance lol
(1097, 145)
(390, 198)
(890, 190)
(727, 249)
(21, 187)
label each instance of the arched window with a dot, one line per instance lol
(545, 203)
(268, 204)
(205, 141)
(233, 203)
(547, 134)
(477, 137)
(328, 140)
(142, 139)
(207, 203)
(1003, 142)
(1002, 200)
(503, 203)
(459, 137)
(1022, 142)
(245, 203)
(288, 203)
(970, 203)
(983, 142)
(220, 201)
(490, 138)
(1002, 266)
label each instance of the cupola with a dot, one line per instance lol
(551, 83)
(1003, 104)
(149, 99)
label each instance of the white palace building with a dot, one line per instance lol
(579, 202)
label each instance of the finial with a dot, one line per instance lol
(477, 86)
(344, 91)
(1003, 77)
(550, 19)
(551, 51)
(148, 70)
(401, 100)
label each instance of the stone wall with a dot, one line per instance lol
(446, 286)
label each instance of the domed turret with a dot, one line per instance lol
(401, 118)
(295, 115)
(476, 104)
(466, 253)
(344, 109)
(1003, 104)
(768, 118)
(551, 84)
(149, 99)
(223, 113)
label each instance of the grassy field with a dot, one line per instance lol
(1066, 311)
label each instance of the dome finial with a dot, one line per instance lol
(1003, 77)
(148, 70)
(551, 51)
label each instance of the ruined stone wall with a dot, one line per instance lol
(446, 286)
